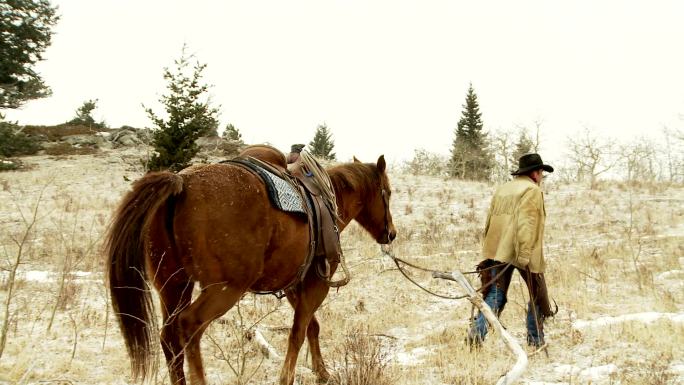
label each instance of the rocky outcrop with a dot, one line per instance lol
(87, 141)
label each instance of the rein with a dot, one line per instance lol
(397, 261)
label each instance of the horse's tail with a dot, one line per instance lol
(126, 271)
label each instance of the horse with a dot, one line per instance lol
(214, 225)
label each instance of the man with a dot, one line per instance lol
(513, 239)
(295, 150)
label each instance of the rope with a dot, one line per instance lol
(397, 260)
(320, 176)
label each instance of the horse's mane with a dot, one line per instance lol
(354, 176)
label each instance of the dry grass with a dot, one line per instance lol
(62, 149)
(591, 242)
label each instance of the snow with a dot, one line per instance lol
(647, 317)
(35, 276)
(670, 275)
(593, 374)
(545, 383)
(598, 373)
(411, 358)
(42, 276)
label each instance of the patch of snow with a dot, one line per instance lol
(677, 369)
(43, 276)
(598, 373)
(669, 275)
(647, 317)
(411, 358)
(82, 274)
(545, 383)
(592, 374)
(567, 370)
(35, 276)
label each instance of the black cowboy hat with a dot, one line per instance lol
(531, 162)
(297, 147)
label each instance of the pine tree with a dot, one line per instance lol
(25, 33)
(84, 115)
(322, 144)
(232, 133)
(522, 147)
(189, 117)
(470, 156)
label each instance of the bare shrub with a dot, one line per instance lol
(654, 370)
(426, 163)
(22, 246)
(591, 156)
(364, 361)
(242, 344)
(10, 165)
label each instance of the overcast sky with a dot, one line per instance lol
(386, 76)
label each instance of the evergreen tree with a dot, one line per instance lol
(470, 156)
(84, 115)
(232, 133)
(13, 141)
(522, 147)
(25, 33)
(189, 117)
(322, 144)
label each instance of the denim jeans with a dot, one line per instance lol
(495, 299)
(535, 335)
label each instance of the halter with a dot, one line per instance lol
(385, 202)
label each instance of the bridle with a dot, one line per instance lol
(385, 202)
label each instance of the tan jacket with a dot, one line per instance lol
(515, 225)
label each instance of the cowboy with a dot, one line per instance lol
(513, 239)
(295, 150)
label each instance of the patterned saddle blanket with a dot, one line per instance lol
(282, 193)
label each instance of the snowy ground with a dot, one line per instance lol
(615, 269)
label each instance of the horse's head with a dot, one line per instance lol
(375, 215)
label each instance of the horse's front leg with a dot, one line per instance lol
(305, 300)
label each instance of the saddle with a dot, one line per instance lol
(324, 248)
(327, 235)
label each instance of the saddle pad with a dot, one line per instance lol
(284, 196)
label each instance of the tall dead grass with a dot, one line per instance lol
(408, 337)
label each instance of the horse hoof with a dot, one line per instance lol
(323, 378)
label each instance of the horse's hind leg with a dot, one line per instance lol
(174, 298)
(315, 348)
(305, 301)
(212, 303)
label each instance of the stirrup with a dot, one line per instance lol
(326, 274)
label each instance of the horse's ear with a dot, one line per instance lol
(355, 159)
(381, 163)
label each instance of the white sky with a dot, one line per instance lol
(386, 76)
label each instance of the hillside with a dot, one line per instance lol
(615, 267)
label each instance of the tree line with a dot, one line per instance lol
(475, 154)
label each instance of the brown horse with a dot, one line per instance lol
(215, 225)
